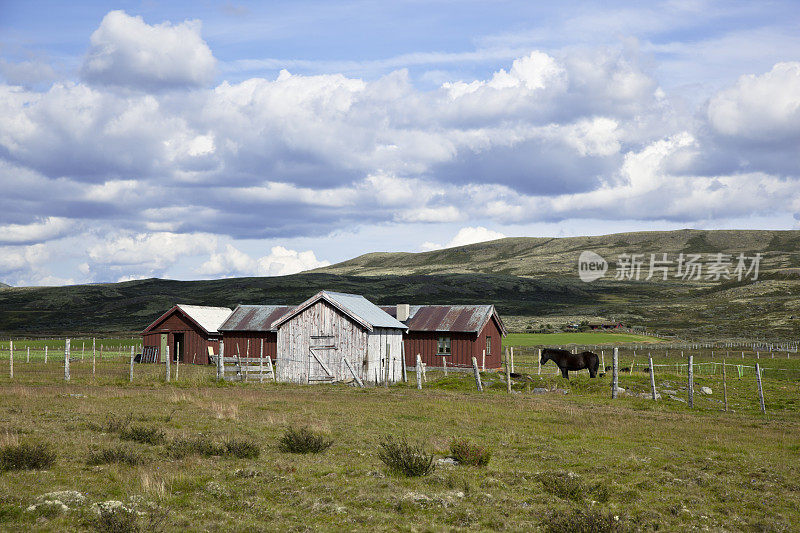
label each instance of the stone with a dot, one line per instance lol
(539, 390)
(447, 461)
(70, 498)
(706, 390)
(676, 398)
(110, 506)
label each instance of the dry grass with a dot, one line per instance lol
(655, 465)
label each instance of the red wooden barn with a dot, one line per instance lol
(188, 331)
(249, 326)
(456, 332)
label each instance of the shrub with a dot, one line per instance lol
(26, 456)
(467, 453)
(404, 458)
(120, 454)
(116, 520)
(303, 440)
(144, 434)
(563, 484)
(243, 449)
(200, 445)
(112, 424)
(584, 521)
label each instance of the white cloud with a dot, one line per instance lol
(127, 51)
(760, 108)
(280, 261)
(43, 230)
(465, 236)
(152, 251)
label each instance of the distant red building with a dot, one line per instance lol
(188, 330)
(456, 332)
(250, 325)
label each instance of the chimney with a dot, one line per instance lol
(403, 310)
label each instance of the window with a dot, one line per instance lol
(444, 346)
(488, 345)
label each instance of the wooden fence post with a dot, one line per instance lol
(483, 361)
(690, 380)
(419, 372)
(508, 373)
(512, 359)
(28, 355)
(45, 354)
(615, 373)
(166, 352)
(477, 374)
(760, 390)
(131, 377)
(177, 361)
(261, 363)
(66, 360)
(652, 377)
(539, 363)
(724, 385)
(83, 347)
(403, 356)
(444, 365)
(11, 359)
(603, 360)
(633, 362)
(220, 373)
(94, 352)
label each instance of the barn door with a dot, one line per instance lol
(164, 344)
(321, 356)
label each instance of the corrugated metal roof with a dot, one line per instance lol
(359, 308)
(462, 318)
(209, 318)
(366, 310)
(254, 317)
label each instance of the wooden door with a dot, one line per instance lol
(164, 344)
(322, 358)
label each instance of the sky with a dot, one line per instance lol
(202, 139)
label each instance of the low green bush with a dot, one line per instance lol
(119, 454)
(584, 521)
(467, 453)
(303, 440)
(26, 456)
(181, 447)
(565, 485)
(144, 434)
(404, 458)
(117, 520)
(243, 449)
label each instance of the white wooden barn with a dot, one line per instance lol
(335, 336)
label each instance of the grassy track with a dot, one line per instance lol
(655, 465)
(560, 339)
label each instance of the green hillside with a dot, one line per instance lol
(531, 281)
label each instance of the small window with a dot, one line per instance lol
(488, 345)
(444, 346)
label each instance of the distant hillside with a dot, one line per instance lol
(545, 257)
(531, 281)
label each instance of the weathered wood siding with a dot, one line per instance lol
(379, 341)
(333, 336)
(195, 348)
(234, 339)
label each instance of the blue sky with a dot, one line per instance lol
(209, 139)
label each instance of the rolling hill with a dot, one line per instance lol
(531, 281)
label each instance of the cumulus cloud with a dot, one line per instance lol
(553, 134)
(465, 236)
(280, 261)
(760, 108)
(43, 230)
(128, 52)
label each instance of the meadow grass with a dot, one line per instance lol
(585, 338)
(559, 461)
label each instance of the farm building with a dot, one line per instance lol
(455, 332)
(335, 336)
(188, 330)
(251, 325)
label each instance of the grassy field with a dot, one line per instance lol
(560, 461)
(583, 338)
(80, 347)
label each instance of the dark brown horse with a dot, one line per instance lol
(567, 361)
